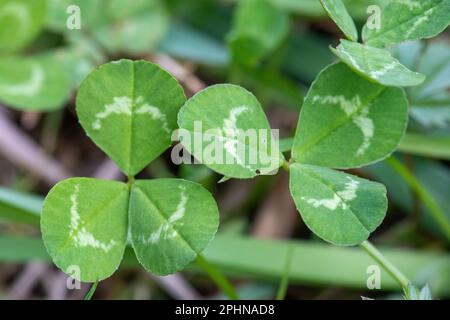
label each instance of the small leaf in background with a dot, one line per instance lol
(347, 121)
(377, 65)
(20, 22)
(258, 29)
(337, 11)
(34, 83)
(220, 116)
(129, 110)
(409, 20)
(171, 221)
(84, 225)
(411, 292)
(134, 27)
(338, 207)
(430, 101)
(425, 293)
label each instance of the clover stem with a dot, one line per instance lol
(130, 181)
(220, 280)
(91, 291)
(286, 166)
(385, 263)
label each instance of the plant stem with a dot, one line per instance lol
(282, 289)
(385, 263)
(217, 277)
(91, 291)
(436, 212)
(130, 181)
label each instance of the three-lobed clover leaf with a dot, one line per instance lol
(337, 11)
(129, 109)
(403, 20)
(84, 226)
(20, 22)
(171, 221)
(338, 207)
(33, 83)
(377, 65)
(347, 121)
(225, 128)
(85, 221)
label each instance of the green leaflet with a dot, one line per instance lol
(35, 83)
(347, 121)
(225, 128)
(338, 12)
(377, 65)
(171, 221)
(338, 207)
(20, 22)
(84, 225)
(129, 110)
(403, 20)
(258, 29)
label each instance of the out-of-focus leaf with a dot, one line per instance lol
(425, 293)
(134, 27)
(33, 83)
(306, 56)
(312, 8)
(434, 146)
(20, 22)
(430, 101)
(19, 207)
(185, 42)
(433, 177)
(258, 29)
(272, 86)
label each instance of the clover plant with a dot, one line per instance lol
(129, 110)
(354, 114)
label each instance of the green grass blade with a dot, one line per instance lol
(427, 199)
